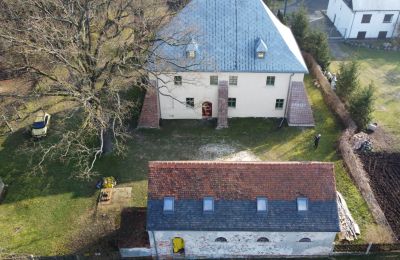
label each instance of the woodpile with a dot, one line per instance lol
(349, 229)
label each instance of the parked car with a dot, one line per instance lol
(40, 125)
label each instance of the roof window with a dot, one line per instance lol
(261, 204)
(191, 49)
(208, 204)
(168, 204)
(302, 204)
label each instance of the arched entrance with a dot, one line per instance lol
(206, 109)
(178, 245)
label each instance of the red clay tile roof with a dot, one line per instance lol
(242, 180)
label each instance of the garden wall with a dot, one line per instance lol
(351, 160)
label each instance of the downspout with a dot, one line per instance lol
(396, 24)
(155, 244)
(351, 27)
(288, 95)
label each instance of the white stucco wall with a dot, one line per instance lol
(376, 24)
(253, 97)
(202, 243)
(344, 16)
(348, 23)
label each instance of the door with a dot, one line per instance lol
(178, 245)
(207, 109)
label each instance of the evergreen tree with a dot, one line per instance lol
(300, 25)
(316, 43)
(362, 105)
(347, 80)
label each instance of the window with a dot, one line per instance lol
(260, 55)
(168, 204)
(189, 102)
(233, 80)
(382, 35)
(366, 18)
(263, 239)
(178, 80)
(388, 18)
(208, 204)
(232, 102)
(270, 80)
(305, 239)
(213, 80)
(191, 54)
(221, 239)
(279, 103)
(261, 204)
(361, 35)
(302, 204)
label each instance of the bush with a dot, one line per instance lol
(347, 80)
(362, 105)
(316, 43)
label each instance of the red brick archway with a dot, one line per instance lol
(206, 109)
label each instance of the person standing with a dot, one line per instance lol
(316, 140)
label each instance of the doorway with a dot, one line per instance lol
(206, 109)
(178, 245)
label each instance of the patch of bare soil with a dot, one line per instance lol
(384, 173)
(382, 141)
(132, 232)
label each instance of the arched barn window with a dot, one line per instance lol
(305, 239)
(221, 239)
(263, 239)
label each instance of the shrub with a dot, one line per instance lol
(362, 105)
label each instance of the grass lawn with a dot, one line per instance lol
(383, 68)
(42, 214)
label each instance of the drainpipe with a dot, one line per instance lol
(396, 24)
(288, 95)
(155, 244)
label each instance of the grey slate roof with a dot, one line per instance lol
(241, 215)
(226, 33)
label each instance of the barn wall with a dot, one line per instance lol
(253, 97)
(202, 243)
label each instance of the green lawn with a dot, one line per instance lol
(383, 68)
(43, 213)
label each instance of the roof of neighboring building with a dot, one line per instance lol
(373, 5)
(226, 33)
(235, 186)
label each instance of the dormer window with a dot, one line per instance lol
(168, 204)
(261, 204)
(261, 49)
(191, 54)
(191, 49)
(260, 55)
(208, 204)
(302, 204)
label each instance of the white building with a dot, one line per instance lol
(241, 209)
(229, 58)
(365, 19)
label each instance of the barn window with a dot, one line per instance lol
(213, 80)
(221, 239)
(305, 239)
(366, 18)
(178, 80)
(263, 239)
(388, 18)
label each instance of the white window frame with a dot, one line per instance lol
(274, 80)
(211, 81)
(233, 79)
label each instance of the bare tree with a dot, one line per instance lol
(89, 52)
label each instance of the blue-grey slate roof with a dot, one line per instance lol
(226, 33)
(241, 215)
